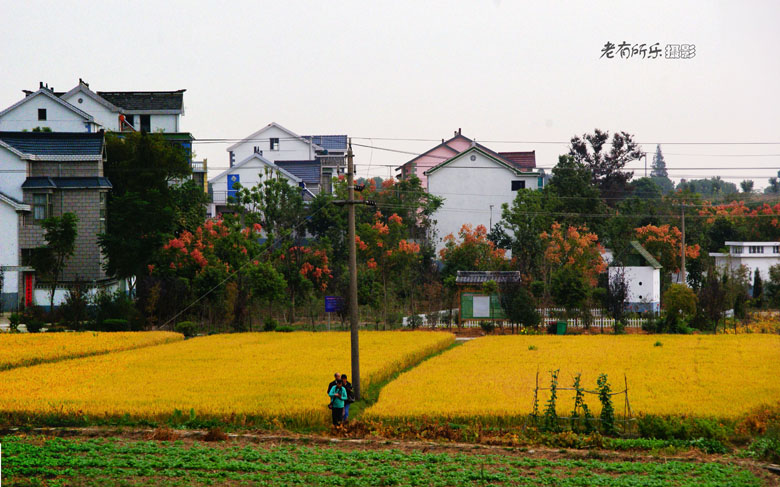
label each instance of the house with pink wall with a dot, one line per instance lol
(433, 157)
(524, 161)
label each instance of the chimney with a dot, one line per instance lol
(40, 84)
(458, 130)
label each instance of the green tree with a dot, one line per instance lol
(518, 304)
(659, 174)
(145, 208)
(275, 204)
(607, 166)
(49, 261)
(758, 288)
(713, 187)
(680, 303)
(746, 185)
(525, 220)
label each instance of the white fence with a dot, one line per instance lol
(598, 318)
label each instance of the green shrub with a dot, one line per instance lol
(487, 326)
(766, 448)
(14, 321)
(74, 309)
(116, 305)
(680, 305)
(676, 428)
(113, 324)
(270, 324)
(285, 329)
(186, 328)
(34, 325)
(414, 321)
(619, 328)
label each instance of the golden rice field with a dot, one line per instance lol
(20, 349)
(701, 375)
(256, 375)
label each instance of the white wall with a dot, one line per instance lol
(290, 149)
(165, 123)
(103, 116)
(14, 172)
(762, 262)
(644, 283)
(250, 174)
(58, 117)
(9, 247)
(468, 192)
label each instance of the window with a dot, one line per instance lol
(102, 228)
(130, 119)
(736, 250)
(274, 143)
(776, 249)
(42, 207)
(41, 114)
(232, 158)
(326, 184)
(756, 249)
(146, 123)
(518, 185)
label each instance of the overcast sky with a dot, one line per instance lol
(500, 70)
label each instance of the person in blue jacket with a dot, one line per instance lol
(338, 394)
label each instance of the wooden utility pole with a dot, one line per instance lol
(353, 301)
(682, 245)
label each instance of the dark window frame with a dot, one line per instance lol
(518, 184)
(274, 143)
(145, 123)
(47, 207)
(41, 114)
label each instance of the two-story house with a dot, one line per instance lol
(83, 110)
(753, 255)
(49, 174)
(308, 161)
(473, 180)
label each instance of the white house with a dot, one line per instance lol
(248, 173)
(276, 144)
(84, 110)
(642, 274)
(11, 211)
(474, 184)
(753, 255)
(43, 108)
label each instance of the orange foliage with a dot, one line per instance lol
(576, 247)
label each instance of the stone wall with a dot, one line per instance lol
(87, 262)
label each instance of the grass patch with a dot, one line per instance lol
(59, 462)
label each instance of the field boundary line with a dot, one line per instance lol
(34, 362)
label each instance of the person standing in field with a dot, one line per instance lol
(350, 395)
(336, 380)
(337, 395)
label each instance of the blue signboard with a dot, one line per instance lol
(231, 180)
(334, 304)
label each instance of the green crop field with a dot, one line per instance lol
(96, 462)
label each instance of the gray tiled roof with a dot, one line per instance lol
(66, 183)
(55, 143)
(145, 100)
(328, 142)
(480, 277)
(308, 171)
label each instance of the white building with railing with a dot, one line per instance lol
(753, 255)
